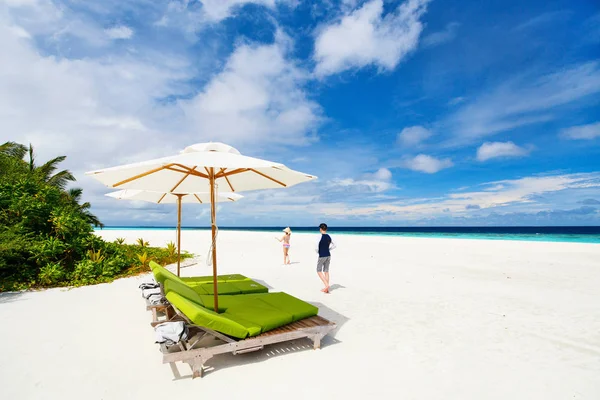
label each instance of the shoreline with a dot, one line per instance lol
(511, 237)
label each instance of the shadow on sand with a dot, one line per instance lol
(263, 283)
(333, 316)
(9, 297)
(336, 286)
(224, 361)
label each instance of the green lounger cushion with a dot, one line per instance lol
(249, 286)
(282, 301)
(243, 283)
(257, 311)
(209, 319)
(226, 301)
(183, 290)
(290, 304)
(229, 287)
(161, 273)
(234, 278)
(220, 278)
(223, 288)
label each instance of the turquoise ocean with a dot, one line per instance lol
(573, 234)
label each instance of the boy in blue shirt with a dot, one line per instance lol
(323, 248)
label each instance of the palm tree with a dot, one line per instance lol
(75, 195)
(59, 180)
(46, 172)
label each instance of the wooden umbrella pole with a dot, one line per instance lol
(178, 233)
(213, 217)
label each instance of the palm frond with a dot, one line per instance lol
(92, 219)
(75, 194)
(31, 158)
(13, 149)
(61, 179)
(49, 167)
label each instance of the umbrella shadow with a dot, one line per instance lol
(9, 297)
(332, 316)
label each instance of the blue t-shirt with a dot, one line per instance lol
(324, 245)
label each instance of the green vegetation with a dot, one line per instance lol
(46, 233)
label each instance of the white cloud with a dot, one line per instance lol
(377, 182)
(518, 194)
(100, 108)
(20, 3)
(582, 132)
(119, 32)
(218, 10)
(523, 101)
(90, 110)
(366, 37)
(258, 96)
(427, 164)
(440, 37)
(55, 22)
(360, 186)
(19, 32)
(185, 14)
(413, 136)
(490, 150)
(382, 174)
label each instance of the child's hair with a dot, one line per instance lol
(323, 227)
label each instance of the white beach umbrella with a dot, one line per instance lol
(202, 168)
(170, 198)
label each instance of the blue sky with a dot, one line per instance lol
(410, 112)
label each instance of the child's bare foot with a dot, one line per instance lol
(325, 290)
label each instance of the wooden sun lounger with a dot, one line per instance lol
(164, 308)
(313, 328)
(158, 308)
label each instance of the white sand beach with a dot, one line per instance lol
(417, 319)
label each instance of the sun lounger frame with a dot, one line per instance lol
(313, 328)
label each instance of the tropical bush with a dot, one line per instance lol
(46, 231)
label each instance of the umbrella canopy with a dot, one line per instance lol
(190, 171)
(203, 167)
(165, 198)
(171, 198)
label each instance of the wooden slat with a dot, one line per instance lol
(302, 324)
(185, 169)
(183, 179)
(138, 176)
(268, 177)
(232, 172)
(310, 322)
(221, 174)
